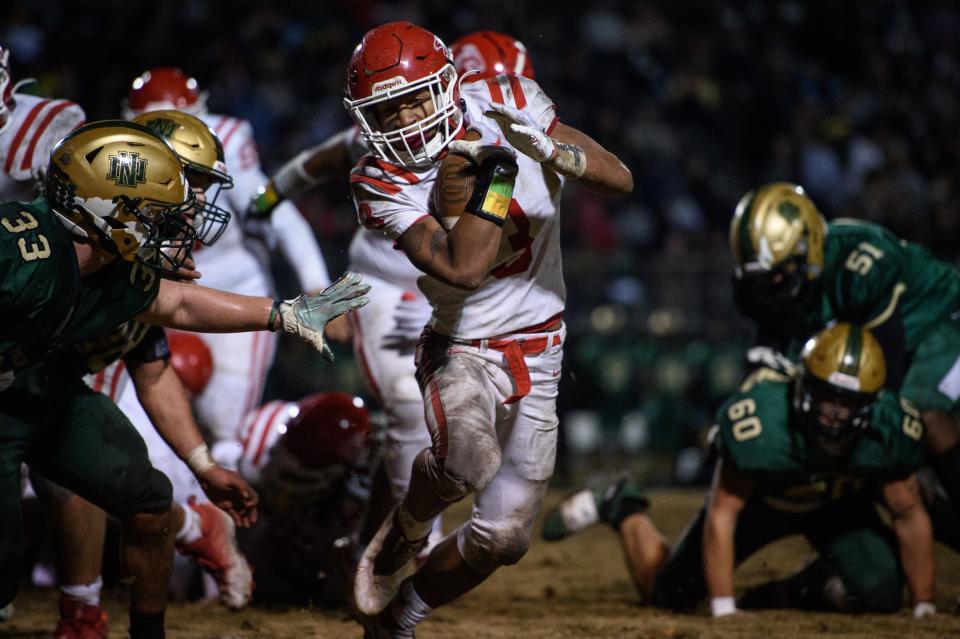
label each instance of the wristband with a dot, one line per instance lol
(274, 311)
(493, 190)
(266, 200)
(924, 608)
(199, 459)
(292, 179)
(569, 160)
(723, 606)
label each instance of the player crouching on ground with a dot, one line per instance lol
(489, 362)
(803, 456)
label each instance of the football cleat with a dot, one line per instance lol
(218, 553)
(611, 504)
(386, 562)
(383, 626)
(80, 621)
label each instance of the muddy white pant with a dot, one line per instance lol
(491, 406)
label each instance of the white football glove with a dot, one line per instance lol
(478, 151)
(525, 134)
(307, 315)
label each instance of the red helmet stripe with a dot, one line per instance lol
(517, 89)
(496, 94)
(18, 138)
(38, 132)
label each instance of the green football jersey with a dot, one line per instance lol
(868, 272)
(45, 303)
(758, 435)
(95, 354)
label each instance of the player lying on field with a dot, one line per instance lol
(810, 456)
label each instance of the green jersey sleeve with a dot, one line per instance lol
(892, 446)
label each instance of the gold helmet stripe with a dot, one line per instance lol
(850, 361)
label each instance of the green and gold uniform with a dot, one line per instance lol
(49, 418)
(868, 276)
(801, 490)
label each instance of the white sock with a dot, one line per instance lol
(190, 531)
(408, 608)
(85, 593)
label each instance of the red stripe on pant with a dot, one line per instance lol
(439, 421)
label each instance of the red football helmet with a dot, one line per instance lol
(329, 428)
(490, 53)
(191, 360)
(395, 59)
(164, 88)
(6, 88)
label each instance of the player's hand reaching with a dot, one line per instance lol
(478, 152)
(526, 135)
(307, 315)
(230, 493)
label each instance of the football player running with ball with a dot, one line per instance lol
(88, 257)
(386, 330)
(489, 361)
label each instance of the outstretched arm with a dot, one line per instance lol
(728, 495)
(911, 524)
(196, 308)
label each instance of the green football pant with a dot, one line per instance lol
(848, 535)
(74, 437)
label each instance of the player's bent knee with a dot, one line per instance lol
(486, 546)
(453, 482)
(145, 495)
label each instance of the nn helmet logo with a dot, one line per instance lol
(163, 127)
(127, 169)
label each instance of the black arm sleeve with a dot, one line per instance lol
(893, 341)
(151, 348)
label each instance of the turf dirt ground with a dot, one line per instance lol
(575, 588)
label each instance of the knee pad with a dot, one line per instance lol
(447, 486)
(486, 546)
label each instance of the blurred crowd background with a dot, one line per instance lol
(857, 101)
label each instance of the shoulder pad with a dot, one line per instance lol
(754, 430)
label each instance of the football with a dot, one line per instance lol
(454, 186)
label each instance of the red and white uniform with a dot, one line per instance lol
(490, 404)
(260, 432)
(241, 360)
(36, 125)
(525, 287)
(385, 337)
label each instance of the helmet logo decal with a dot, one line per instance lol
(788, 210)
(127, 169)
(163, 127)
(392, 83)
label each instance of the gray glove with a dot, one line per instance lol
(307, 315)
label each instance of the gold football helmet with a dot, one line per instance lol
(777, 238)
(123, 186)
(842, 371)
(201, 152)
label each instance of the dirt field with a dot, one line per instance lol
(577, 588)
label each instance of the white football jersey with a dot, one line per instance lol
(260, 432)
(372, 252)
(228, 264)
(525, 286)
(36, 125)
